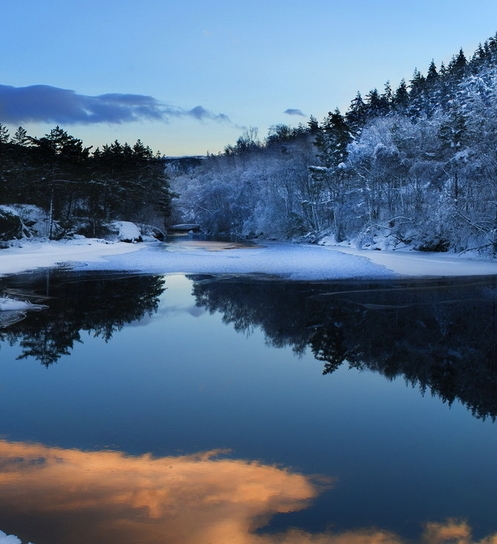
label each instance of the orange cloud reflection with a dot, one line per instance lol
(188, 499)
(58, 495)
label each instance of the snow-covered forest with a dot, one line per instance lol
(78, 188)
(413, 166)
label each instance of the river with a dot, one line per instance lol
(248, 409)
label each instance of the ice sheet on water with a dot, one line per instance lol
(295, 261)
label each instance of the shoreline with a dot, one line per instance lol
(285, 259)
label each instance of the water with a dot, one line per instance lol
(234, 409)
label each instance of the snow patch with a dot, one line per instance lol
(294, 261)
(125, 231)
(12, 304)
(9, 539)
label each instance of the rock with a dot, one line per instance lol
(11, 226)
(125, 231)
(151, 232)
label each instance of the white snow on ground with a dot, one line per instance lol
(420, 264)
(49, 254)
(302, 262)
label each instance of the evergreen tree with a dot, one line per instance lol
(356, 115)
(20, 137)
(417, 96)
(432, 75)
(401, 98)
(458, 66)
(4, 134)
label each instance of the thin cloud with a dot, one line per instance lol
(43, 103)
(202, 114)
(293, 111)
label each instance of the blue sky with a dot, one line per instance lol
(187, 77)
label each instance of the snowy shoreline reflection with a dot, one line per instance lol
(79, 497)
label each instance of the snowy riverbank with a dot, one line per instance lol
(301, 262)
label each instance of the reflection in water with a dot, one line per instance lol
(99, 304)
(60, 495)
(439, 335)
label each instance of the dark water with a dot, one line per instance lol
(250, 410)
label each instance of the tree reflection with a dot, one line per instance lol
(99, 304)
(438, 335)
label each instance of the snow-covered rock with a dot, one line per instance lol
(125, 231)
(34, 219)
(11, 226)
(150, 233)
(24, 221)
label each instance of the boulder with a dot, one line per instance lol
(11, 226)
(124, 231)
(152, 233)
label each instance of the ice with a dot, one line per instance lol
(8, 304)
(294, 261)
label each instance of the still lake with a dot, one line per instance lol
(216, 409)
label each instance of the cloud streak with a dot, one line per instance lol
(43, 103)
(294, 111)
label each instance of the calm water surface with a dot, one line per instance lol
(250, 410)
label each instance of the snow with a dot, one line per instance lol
(126, 231)
(8, 539)
(29, 256)
(295, 261)
(8, 304)
(420, 264)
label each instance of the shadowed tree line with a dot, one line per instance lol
(81, 189)
(439, 336)
(78, 303)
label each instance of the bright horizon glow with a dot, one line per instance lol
(252, 64)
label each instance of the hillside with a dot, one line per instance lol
(410, 167)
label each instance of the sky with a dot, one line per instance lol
(190, 77)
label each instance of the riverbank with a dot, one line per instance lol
(295, 261)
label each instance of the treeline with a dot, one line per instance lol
(415, 165)
(81, 189)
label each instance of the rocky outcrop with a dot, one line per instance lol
(11, 225)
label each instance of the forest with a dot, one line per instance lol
(81, 190)
(414, 166)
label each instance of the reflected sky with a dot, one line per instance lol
(195, 365)
(82, 497)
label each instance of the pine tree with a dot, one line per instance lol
(417, 94)
(4, 134)
(401, 97)
(458, 66)
(432, 75)
(356, 115)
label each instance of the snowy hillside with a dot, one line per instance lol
(413, 167)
